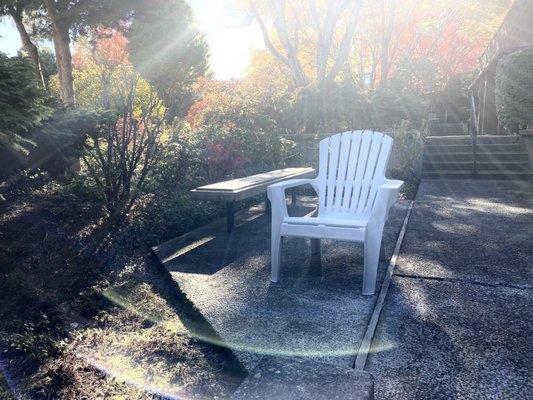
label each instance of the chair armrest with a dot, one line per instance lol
(276, 195)
(392, 188)
(387, 195)
(291, 183)
(392, 184)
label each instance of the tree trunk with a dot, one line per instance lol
(28, 46)
(61, 38)
(387, 26)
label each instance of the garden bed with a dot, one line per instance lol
(76, 325)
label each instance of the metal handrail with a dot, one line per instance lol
(473, 128)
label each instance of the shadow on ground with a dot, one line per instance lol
(457, 322)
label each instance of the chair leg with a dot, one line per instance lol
(382, 254)
(372, 250)
(276, 244)
(315, 246)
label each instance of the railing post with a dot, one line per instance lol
(474, 153)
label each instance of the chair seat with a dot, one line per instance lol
(360, 222)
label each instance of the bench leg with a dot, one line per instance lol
(268, 207)
(315, 246)
(230, 215)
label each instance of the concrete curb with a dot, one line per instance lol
(364, 349)
(304, 379)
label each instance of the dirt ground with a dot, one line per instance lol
(80, 324)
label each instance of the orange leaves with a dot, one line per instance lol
(450, 34)
(105, 47)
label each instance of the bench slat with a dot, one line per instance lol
(241, 188)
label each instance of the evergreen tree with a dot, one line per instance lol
(16, 10)
(23, 102)
(168, 50)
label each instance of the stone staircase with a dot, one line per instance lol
(498, 157)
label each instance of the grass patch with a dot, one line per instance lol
(5, 391)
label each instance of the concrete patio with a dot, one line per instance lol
(316, 313)
(455, 322)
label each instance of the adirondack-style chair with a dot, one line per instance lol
(354, 199)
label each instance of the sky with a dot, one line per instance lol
(230, 38)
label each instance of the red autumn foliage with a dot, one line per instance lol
(225, 158)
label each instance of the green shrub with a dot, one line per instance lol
(406, 157)
(395, 103)
(235, 137)
(59, 141)
(405, 96)
(452, 103)
(23, 106)
(5, 390)
(514, 89)
(122, 150)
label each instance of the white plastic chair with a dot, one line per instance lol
(354, 199)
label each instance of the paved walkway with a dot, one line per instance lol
(458, 318)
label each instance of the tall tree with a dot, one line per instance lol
(323, 40)
(329, 27)
(68, 17)
(15, 9)
(388, 13)
(169, 51)
(449, 34)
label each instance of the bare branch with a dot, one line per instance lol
(266, 38)
(346, 43)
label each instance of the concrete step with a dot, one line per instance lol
(482, 148)
(468, 156)
(445, 129)
(516, 175)
(458, 140)
(450, 133)
(294, 379)
(503, 166)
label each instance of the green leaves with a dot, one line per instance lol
(514, 89)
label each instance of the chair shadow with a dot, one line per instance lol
(210, 249)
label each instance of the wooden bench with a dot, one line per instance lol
(243, 188)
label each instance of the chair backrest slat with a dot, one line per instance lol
(350, 174)
(323, 158)
(381, 166)
(346, 139)
(369, 169)
(351, 167)
(366, 141)
(334, 144)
